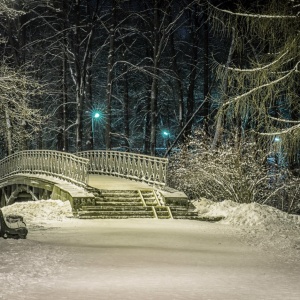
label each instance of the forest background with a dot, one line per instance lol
(214, 84)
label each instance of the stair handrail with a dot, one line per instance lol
(62, 165)
(139, 167)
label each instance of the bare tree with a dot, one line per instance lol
(17, 90)
(20, 121)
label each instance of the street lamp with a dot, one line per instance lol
(166, 133)
(166, 136)
(96, 115)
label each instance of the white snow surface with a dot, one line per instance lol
(69, 258)
(260, 225)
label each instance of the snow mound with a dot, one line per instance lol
(250, 215)
(40, 211)
(260, 225)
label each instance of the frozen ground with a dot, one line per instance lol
(253, 253)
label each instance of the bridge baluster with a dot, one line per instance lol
(135, 166)
(62, 165)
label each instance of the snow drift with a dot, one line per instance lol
(41, 211)
(260, 225)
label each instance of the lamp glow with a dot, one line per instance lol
(96, 115)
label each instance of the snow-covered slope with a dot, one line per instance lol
(261, 225)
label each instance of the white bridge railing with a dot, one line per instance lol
(138, 167)
(61, 165)
(75, 168)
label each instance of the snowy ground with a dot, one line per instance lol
(253, 253)
(261, 226)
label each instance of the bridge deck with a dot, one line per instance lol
(105, 182)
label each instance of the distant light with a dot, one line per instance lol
(96, 115)
(166, 133)
(277, 139)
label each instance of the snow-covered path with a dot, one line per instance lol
(142, 259)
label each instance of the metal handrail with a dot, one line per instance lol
(149, 169)
(61, 165)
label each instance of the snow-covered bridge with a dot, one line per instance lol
(96, 183)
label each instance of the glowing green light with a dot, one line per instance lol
(96, 115)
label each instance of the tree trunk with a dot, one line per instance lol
(110, 77)
(154, 85)
(206, 73)
(193, 73)
(81, 68)
(126, 110)
(147, 122)
(62, 138)
(8, 132)
(78, 79)
(89, 98)
(153, 108)
(219, 125)
(178, 82)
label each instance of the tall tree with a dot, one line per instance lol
(109, 84)
(264, 72)
(17, 89)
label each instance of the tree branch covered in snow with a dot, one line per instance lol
(263, 76)
(20, 119)
(240, 173)
(8, 11)
(248, 15)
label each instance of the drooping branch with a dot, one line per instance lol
(257, 88)
(259, 68)
(256, 16)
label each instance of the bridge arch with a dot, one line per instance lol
(42, 174)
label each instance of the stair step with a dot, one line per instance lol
(115, 213)
(126, 199)
(148, 196)
(151, 203)
(116, 208)
(178, 208)
(113, 203)
(120, 193)
(187, 214)
(115, 217)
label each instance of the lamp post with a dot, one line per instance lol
(166, 136)
(95, 116)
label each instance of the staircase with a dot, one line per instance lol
(123, 204)
(184, 212)
(120, 204)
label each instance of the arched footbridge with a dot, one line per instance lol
(98, 184)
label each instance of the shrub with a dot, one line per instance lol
(242, 174)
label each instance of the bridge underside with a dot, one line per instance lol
(105, 197)
(30, 187)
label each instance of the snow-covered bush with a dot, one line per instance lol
(241, 174)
